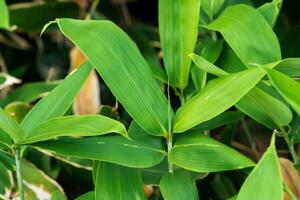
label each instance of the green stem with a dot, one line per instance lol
(290, 145)
(170, 146)
(19, 173)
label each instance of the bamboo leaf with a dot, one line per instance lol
(4, 15)
(57, 102)
(11, 127)
(265, 177)
(28, 92)
(248, 34)
(270, 11)
(207, 66)
(178, 28)
(181, 182)
(287, 87)
(75, 126)
(87, 196)
(212, 7)
(290, 67)
(123, 68)
(118, 182)
(142, 151)
(197, 152)
(219, 95)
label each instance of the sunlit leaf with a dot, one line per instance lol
(75, 126)
(4, 15)
(123, 68)
(265, 177)
(270, 11)
(57, 102)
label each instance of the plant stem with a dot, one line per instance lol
(290, 145)
(19, 173)
(249, 137)
(92, 9)
(170, 145)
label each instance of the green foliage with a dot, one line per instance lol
(213, 71)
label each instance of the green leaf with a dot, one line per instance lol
(287, 87)
(118, 182)
(212, 7)
(248, 34)
(270, 11)
(265, 177)
(57, 102)
(178, 28)
(11, 127)
(123, 68)
(197, 152)
(4, 15)
(75, 126)
(219, 95)
(46, 11)
(209, 50)
(17, 110)
(28, 92)
(33, 183)
(220, 120)
(207, 66)
(6, 181)
(87, 196)
(142, 151)
(265, 109)
(290, 67)
(178, 185)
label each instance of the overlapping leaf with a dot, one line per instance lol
(123, 68)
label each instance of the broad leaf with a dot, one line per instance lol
(178, 28)
(248, 34)
(219, 95)
(86, 196)
(123, 68)
(142, 151)
(270, 11)
(57, 102)
(287, 87)
(178, 185)
(75, 126)
(118, 182)
(265, 177)
(197, 152)
(4, 15)
(11, 127)
(290, 67)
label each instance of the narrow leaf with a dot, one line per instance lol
(197, 152)
(57, 102)
(75, 126)
(142, 151)
(287, 87)
(265, 177)
(219, 95)
(4, 15)
(181, 182)
(118, 182)
(178, 28)
(123, 68)
(212, 7)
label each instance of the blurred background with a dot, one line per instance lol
(32, 58)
